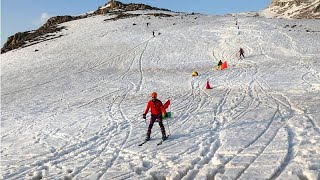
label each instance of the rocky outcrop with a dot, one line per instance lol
(297, 9)
(57, 20)
(282, 3)
(20, 39)
(116, 6)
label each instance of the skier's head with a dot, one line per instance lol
(154, 95)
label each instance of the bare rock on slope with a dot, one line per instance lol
(293, 9)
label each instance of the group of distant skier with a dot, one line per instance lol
(241, 52)
(241, 55)
(158, 110)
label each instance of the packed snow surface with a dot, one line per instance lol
(72, 107)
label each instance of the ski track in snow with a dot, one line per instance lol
(82, 120)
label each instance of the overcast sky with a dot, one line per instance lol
(26, 15)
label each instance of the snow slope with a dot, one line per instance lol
(73, 109)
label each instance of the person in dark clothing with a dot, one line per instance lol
(241, 51)
(157, 114)
(219, 64)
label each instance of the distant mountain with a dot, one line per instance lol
(295, 9)
(117, 6)
(23, 39)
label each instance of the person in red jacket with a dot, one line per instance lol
(157, 113)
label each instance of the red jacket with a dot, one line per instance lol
(156, 107)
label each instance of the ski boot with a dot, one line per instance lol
(147, 137)
(164, 137)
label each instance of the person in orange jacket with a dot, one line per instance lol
(157, 114)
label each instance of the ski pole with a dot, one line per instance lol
(168, 127)
(168, 122)
(145, 120)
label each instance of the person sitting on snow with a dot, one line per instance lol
(219, 64)
(157, 114)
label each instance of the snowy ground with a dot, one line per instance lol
(74, 108)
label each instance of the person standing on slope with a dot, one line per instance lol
(157, 114)
(241, 51)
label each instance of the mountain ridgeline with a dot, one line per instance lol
(309, 9)
(24, 39)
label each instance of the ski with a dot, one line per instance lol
(159, 143)
(142, 143)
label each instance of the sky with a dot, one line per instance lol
(26, 15)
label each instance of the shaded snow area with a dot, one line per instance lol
(71, 107)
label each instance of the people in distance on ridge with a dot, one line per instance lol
(157, 114)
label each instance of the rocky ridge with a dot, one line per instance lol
(23, 39)
(294, 9)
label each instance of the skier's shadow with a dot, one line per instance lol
(176, 136)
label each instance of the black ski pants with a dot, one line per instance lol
(241, 54)
(156, 118)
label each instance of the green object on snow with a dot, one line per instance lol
(168, 114)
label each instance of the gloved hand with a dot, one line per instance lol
(163, 115)
(144, 116)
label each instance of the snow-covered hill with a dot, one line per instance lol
(71, 107)
(297, 9)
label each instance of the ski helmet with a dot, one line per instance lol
(154, 94)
